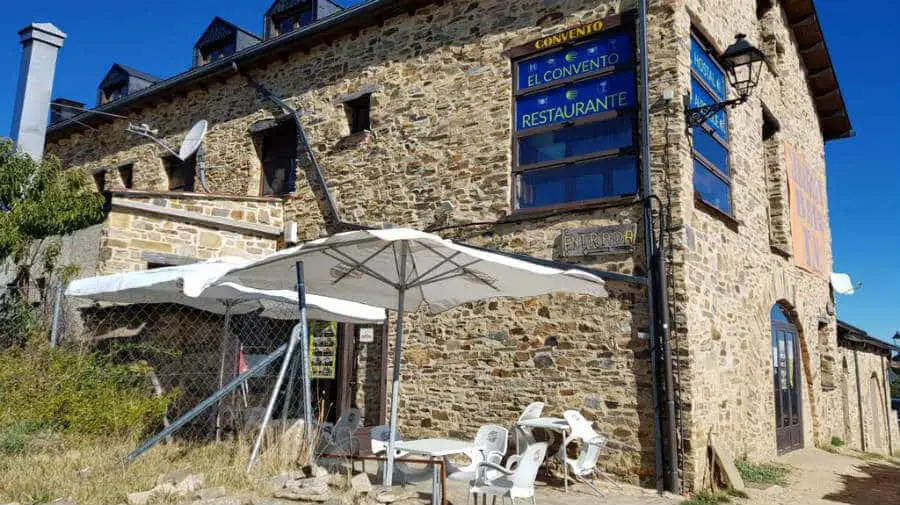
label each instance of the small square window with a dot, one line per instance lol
(126, 175)
(358, 113)
(180, 173)
(100, 180)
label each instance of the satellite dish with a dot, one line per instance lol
(192, 140)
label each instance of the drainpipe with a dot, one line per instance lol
(887, 403)
(40, 45)
(295, 115)
(665, 470)
(862, 433)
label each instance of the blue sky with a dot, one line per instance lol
(863, 172)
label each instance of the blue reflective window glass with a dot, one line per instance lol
(576, 141)
(712, 190)
(711, 150)
(699, 98)
(707, 70)
(577, 182)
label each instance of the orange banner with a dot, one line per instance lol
(808, 214)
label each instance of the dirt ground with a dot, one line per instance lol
(819, 478)
(824, 478)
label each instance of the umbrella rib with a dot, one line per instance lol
(344, 257)
(432, 269)
(464, 268)
(356, 263)
(415, 280)
(459, 272)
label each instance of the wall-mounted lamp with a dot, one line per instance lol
(743, 64)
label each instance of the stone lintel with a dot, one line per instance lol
(167, 258)
(211, 221)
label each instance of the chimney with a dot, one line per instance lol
(40, 43)
(62, 109)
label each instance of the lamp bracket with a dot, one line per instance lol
(699, 115)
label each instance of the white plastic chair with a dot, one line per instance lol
(592, 444)
(403, 473)
(490, 443)
(524, 434)
(339, 438)
(509, 482)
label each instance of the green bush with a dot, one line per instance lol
(837, 442)
(76, 393)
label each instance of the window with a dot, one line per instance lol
(115, 92)
(290, 21)
(575, 136)
(712, 171)
(279, 159)
(358, 113)
(180, 173)
(217, 51)
(100, 180)
(126, 175)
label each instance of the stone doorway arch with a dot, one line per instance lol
(787, 381)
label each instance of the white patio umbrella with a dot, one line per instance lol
(165, 285)
(405, 269)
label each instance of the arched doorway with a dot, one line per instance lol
(786, 375)
(876, 406)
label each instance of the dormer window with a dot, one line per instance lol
(220, 40)
(285, 16)
(122, 81)
(290, 21)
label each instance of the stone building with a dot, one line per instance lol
(515, 126)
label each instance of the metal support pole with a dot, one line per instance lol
(304, 352)
(208, 402)
(292, 343)
(395, 389)
(223, 351)
(57, 308)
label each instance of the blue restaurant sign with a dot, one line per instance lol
(575, 61)
(575, 101)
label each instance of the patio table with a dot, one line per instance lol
(553, 425)
(436, 449)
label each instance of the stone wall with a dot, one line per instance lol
(732, 272)
(870, 393)
(132, 231)
(440, 132)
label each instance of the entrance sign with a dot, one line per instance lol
(597, 240)
(808, 214)
(578, 60)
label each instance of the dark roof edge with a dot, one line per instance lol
(795, 14)
(134, 72)
(366, 14)
(227, 23)
(859, 335)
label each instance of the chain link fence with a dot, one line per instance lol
(185, 355)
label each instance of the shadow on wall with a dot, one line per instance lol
(879, 485)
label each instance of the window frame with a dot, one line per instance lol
(172, 163)
(271, 132)
(630, 112)
(294, 14)
(709, 166)
(129, 167)
(354, 108)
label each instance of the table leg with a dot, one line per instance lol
(435, 483)
(444, 482)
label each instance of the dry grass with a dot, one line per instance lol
(91, 471)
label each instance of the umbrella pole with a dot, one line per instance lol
(292, 344)
(304, 353)
(395, 387)
(224, 351)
